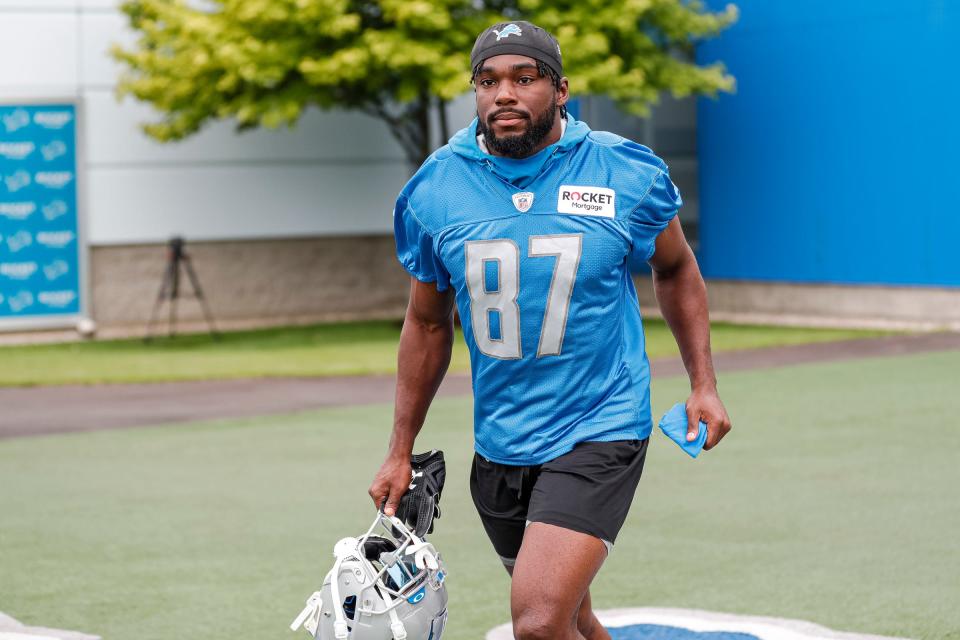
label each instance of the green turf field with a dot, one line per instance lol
(318, 350)
(834, 500)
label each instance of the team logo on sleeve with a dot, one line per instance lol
(586, 201)
(523, 201)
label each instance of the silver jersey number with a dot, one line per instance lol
(566, 249)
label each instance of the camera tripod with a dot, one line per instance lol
(170, 290)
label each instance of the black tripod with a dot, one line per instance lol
(170, 290)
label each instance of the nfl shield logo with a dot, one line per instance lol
(523, 201)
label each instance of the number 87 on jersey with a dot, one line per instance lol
(493, 280)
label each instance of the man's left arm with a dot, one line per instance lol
(682, 295)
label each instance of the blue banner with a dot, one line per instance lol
(39, 232)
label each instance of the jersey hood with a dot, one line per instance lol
(518, 172)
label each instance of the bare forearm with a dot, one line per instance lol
(682, 295)
(683, 301)
(423, 358)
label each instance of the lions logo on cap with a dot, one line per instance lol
(509, 30)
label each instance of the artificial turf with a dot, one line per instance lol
(318, 350)
(833, 500)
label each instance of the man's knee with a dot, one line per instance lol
(542, 625)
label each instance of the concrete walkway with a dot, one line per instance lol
(43, 410)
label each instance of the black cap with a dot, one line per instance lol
(519, 38)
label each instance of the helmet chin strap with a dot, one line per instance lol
(344, 549)
(340, 630)
(396, 626)
(314, 606)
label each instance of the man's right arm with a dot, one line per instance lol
(426, 343)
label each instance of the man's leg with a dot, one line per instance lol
(587, 623)
(550, 584)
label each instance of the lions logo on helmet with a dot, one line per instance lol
(383, 586)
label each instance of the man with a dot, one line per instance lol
(527, 220)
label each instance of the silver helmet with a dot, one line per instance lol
(386, 584)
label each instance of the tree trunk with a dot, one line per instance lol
(444, 127)
(423, 122)
(410, 126)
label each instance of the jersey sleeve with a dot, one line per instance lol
(415, 247)
(652, 214)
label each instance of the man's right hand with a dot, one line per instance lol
(390, 483)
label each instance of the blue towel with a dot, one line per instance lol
(674, 426)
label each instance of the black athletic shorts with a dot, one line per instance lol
(588, 490)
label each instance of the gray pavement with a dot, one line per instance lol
(44, 410)
(55, 409)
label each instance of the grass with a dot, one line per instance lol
(319, 350)
(833, 500)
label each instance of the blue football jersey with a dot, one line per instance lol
(542, 283)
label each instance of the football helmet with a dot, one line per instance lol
(386, 584)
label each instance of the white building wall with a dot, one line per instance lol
(336, 173)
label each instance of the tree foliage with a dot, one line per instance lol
(262, 62)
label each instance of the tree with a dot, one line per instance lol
(262, 62)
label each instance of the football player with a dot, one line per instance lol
(527, 221)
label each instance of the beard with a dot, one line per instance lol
(519, 145)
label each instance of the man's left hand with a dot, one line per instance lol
(705, 405)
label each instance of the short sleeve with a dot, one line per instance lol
(652, 215)
(415, 247)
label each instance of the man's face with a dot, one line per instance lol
(516, 106)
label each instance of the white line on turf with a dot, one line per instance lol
(11, 629)
(701, 621)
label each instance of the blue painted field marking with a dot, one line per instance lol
(663, 632)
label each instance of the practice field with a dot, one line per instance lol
(833, 500)
(356, 348)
